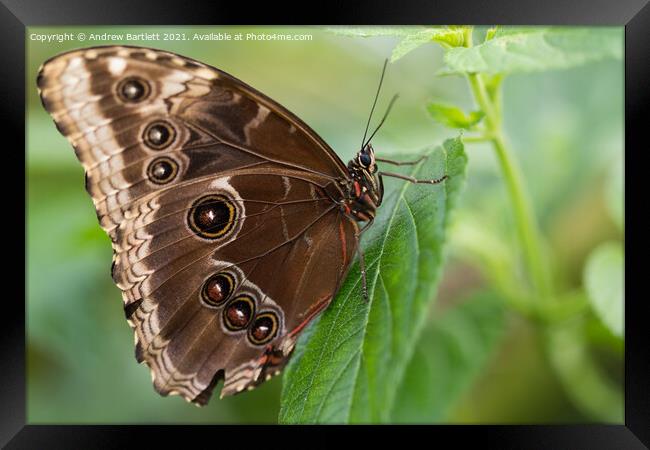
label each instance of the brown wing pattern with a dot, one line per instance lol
(196, 175)
(288, 255)
(219, 122)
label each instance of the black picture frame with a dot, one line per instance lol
(16, 15)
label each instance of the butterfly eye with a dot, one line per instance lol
(159, 135)
(162, 170)
(264, 328)
(238, 314)
(133, 90)
(365, 159)
(217, 289)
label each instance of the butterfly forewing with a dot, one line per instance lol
(219, 203)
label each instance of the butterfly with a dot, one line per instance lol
(233, 224)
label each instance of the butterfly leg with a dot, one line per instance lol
(362, 259)
(412, 179)
(362, 268)
(402, 163)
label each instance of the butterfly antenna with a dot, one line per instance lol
(383, 119)
(381, 81)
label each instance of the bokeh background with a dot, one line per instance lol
(566, 128)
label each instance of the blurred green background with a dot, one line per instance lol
(567, 130)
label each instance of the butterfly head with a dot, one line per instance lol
(364, 165)
(366, 159)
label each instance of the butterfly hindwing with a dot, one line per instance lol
(181, 335)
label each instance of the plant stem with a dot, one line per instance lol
(525, 221)
(524, 216)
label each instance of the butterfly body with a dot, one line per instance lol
(366, 190)
(233, 224)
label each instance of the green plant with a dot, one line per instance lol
(353, 364)
(346, 367)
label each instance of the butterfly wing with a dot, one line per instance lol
(212, 122)
(195, 175)
(287, 251)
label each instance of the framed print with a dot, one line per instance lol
(396, 224)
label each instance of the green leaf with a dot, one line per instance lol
(447, 37)
(500, 31)
(536, 49)
(451, 353)
(603, 280)
(454, 117)
(490, 33)
(349, 367)
(413, 37)
(589, 387)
